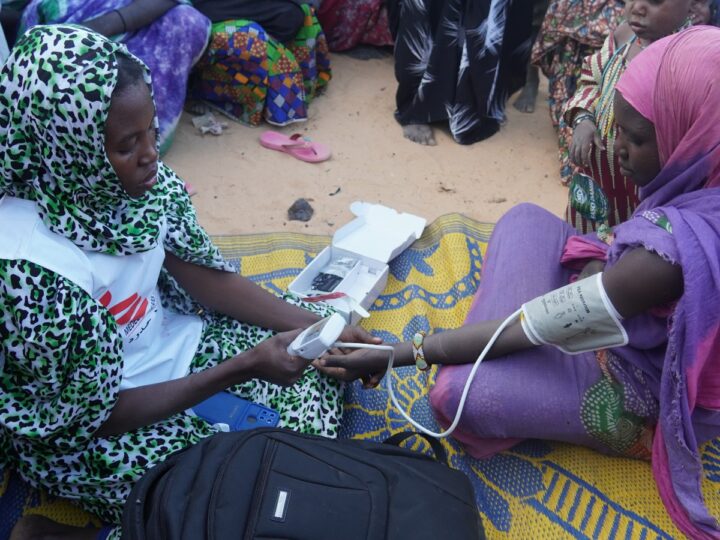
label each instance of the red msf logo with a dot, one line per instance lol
(130, 309)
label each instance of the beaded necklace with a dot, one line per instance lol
(605, 108)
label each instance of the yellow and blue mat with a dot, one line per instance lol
(537, 490)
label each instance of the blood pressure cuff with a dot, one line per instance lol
(576, 318)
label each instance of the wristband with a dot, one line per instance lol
(581, 118)
(418, 353)
(122, 19)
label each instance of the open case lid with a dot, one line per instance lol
(378, 232)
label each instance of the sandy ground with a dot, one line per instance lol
(245, 188)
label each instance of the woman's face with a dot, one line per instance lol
(635, 144)
(130, 139)
(655, 19)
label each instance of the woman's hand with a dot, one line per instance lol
(368, 365)
(355, 334)
(584, 136)
(271, 362)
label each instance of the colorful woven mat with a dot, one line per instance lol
(536, 490)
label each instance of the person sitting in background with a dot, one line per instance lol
(457, 62)
(267, 59)
(168, 35)
(654, 389)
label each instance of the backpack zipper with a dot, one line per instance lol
(267, 461)
(217, 483)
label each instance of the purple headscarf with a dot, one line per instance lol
(675, 84)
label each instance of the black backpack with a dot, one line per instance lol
(278, 484)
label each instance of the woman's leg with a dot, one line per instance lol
(522, 261)
(538, 394)
(534, 394)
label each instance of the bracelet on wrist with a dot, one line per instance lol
(581, 118)
(418, 352)
(119, 14)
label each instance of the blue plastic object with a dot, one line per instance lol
(238, 413)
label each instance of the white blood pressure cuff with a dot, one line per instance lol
(576, 318)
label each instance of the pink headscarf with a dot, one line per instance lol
(675, 84)
(685, 68)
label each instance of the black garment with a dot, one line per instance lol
(282, 19)
(458, 61)
(10, 20)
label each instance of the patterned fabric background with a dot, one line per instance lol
(536, 490)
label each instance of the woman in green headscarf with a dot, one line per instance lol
(117, 313)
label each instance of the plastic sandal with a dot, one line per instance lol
(296, 145)
(190, 189)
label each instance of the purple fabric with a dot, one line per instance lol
(685, 392)
(537, 393)
(530, 394)
(169, 46)
(683, 86)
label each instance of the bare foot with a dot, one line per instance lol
(41, 528)
(527, 98)
(419, 133)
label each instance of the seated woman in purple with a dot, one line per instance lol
(657, 394)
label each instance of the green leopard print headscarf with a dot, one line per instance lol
(55, 91)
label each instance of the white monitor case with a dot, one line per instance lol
(374, 238)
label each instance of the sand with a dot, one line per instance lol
(245, 188)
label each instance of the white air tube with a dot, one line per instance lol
(466, 390)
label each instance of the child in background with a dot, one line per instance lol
(704, 12)
(604, 197)
(571, 31)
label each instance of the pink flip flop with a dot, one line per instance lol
(296, 145)
(190, 189)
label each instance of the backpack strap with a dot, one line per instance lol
(438, 450)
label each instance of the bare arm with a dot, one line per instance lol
(463, 345)
(640, 281)
(146, 405)
(460, 346)
(132, 17)
(237, 297)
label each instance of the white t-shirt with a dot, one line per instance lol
(159, 344)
